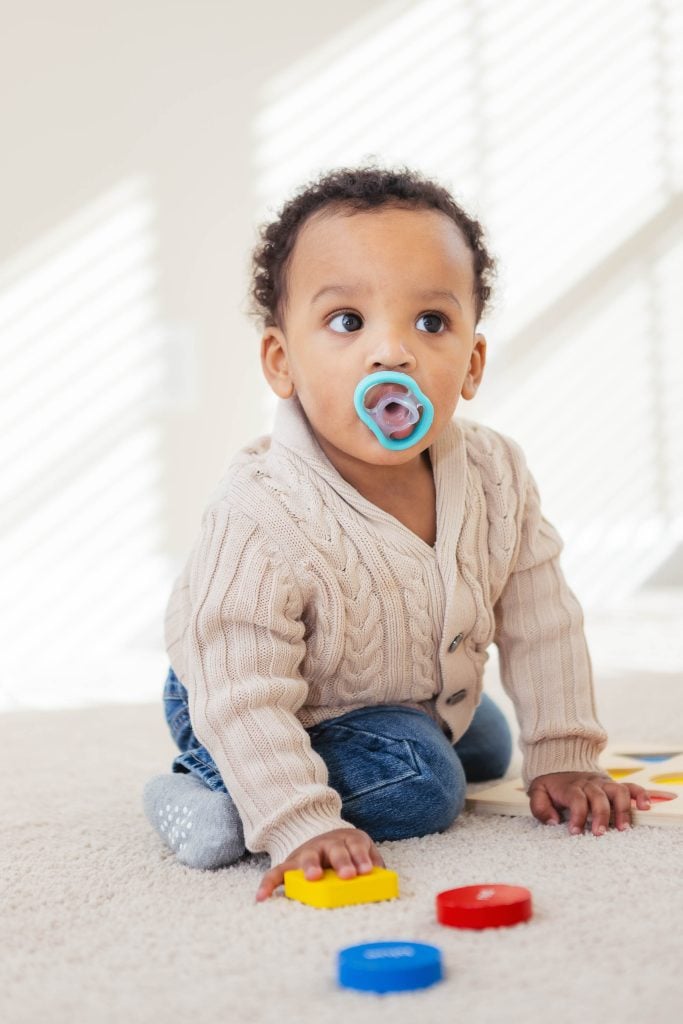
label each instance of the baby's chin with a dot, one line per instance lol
(356, 443)
(375, 454)
(366, 451)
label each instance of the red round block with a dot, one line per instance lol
(483, 906)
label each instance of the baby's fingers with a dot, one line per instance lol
(620, 797)
(641, 797)
(542, 807)
(364, 854)
(376, 857)
(270, 882)
(339, 856)
(310, 862)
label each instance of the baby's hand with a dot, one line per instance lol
(582, 792)
(348, 850)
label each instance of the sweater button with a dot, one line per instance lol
(455, 698)
(455, 641)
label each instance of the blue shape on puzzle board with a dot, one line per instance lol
(654, 758)
(389, 966)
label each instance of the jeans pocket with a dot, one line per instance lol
(361, 762)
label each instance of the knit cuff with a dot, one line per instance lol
(299, 828)
(567, 754)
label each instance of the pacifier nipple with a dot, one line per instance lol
(394, 409)
(392, 405)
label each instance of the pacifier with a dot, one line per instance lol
(397, 404)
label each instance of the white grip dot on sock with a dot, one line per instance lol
(216, 836)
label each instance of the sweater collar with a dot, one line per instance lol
(447, 454)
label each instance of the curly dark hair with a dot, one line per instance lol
(355, 188)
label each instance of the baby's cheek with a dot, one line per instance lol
(443, 414)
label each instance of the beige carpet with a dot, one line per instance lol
(100, 924)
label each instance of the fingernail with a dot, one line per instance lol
(602, 830)
(624, 828)
(575, 830)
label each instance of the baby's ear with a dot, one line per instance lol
(475, 371)
(274, 362)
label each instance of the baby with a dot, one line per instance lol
(329, 632)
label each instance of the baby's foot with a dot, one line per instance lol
(200, 825)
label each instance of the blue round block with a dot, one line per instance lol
(389, 966)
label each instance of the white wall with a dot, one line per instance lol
(142, 143)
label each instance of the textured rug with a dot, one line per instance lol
(99, 923)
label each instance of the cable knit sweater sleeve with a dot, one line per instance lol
(246, 641)
(544, 662)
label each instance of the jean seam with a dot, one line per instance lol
(380, 786)
(412, 768)
(189, 760)
(179, 716)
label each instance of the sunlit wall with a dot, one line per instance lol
(84, 364)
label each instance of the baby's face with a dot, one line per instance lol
(362, 297)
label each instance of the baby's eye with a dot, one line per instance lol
(434, 322)
(349, 322)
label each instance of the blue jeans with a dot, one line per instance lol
(395, 770)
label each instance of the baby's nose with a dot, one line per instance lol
(393, 358)
(396, 364)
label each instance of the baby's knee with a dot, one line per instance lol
(397, 774)
(490, 763)
(501, 761)
(428, 801)
(439, 796)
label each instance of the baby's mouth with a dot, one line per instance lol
(396, 410)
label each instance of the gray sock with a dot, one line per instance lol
(200, 825)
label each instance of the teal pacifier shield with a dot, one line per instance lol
(393, 377)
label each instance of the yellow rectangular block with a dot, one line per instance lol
(333, 891)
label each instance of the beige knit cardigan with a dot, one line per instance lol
(301, 600)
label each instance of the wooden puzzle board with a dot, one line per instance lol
(656, 768)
